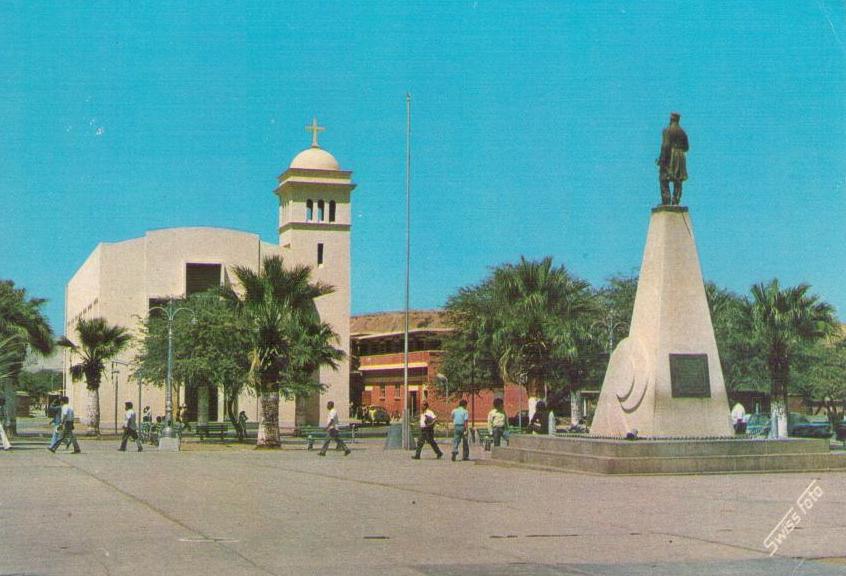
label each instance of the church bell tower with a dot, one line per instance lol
(314, 230)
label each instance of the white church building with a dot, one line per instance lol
(121, 281)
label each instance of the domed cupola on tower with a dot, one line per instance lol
(314, 197)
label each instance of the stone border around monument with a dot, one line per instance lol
(670, 456)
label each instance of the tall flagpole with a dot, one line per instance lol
(406, 428)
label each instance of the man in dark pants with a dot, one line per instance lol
(427, 431)
(130, 428)
(332, 431)
(460, 418)
(67, 428)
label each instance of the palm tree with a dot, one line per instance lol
(289, 343)
(98, 342)
(22, 328)
(545, 316)
(781, 321)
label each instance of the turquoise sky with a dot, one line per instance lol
(536, 126)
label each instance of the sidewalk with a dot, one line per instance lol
(242, 511)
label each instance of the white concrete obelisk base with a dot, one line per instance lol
(665, 378)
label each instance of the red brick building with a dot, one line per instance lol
(377, 343)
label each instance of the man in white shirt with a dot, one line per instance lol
(427, 432)
(67, 428)
(130, 428)
(332, 431)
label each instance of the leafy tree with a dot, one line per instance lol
(470, 362)
(527, 322)
(288, 341)
(616, 301)
(740, 356)
(98, 343)
(781, 321)
(209, 350)
(23, 327)
(545, 317)
(39, 384)
(821, 376)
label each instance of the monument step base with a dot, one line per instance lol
(630, 461)
(670, 447)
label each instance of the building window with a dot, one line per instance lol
(320, 254)
(397, 395)
(309, 210)
(320, 207)
(201, 277)
(381, 392)
(331, 210)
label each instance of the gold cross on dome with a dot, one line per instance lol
(314, 129)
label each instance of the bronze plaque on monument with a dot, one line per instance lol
(689, 376)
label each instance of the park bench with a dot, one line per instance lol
(251, 430)
(315, 433)
(486, 438)
(219, 429)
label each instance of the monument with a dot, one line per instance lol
(665, 378)
(663, 407)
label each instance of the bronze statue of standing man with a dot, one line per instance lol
(672, 165)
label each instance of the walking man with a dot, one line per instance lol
(497, 422)
(67, 428)
(4, 440)
(460, 418)
(427, 432)
(332, 431)
(54, 411)
(242, 426)
(130, 428)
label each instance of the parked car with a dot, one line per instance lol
(840, 430)
(376, 415)
(798, 425)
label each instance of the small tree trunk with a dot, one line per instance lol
(203, 405)
(9, 391)
(268, 432)
(778, 413)
(94, 411)
(575, 407)
(231, 403)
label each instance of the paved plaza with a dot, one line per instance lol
(234, 510)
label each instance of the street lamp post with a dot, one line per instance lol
(406, 425)
(115, 382)
(168, 440)
(115, 374)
